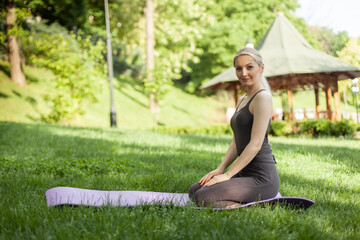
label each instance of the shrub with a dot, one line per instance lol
(325, 127)
(320, 127)
(277, 128)
(344, 127)
(77, 63)
(218, 129)
(280, 128)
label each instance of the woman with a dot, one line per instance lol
(253, 176)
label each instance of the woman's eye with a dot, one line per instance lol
(238, 69)
(249, 67)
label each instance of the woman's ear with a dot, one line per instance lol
(262, 68)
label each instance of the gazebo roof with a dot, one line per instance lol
(287, 54)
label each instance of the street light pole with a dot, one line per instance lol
(355, 90)
(110, 66)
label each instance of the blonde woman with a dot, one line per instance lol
(253, 174)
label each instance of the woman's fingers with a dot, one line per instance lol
(217, 179)
(201, 181)
(209, 183)
(205, 179)
(209, 176)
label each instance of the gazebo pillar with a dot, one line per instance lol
(317, 102)
(290, 104)
(328, 100)
(337, 101)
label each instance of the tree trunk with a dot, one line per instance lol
(150, 42)
(13, 52)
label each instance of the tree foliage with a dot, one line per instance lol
(228, 26)
(76, 62)
(351, 54)
(194, 40)
(331, 42)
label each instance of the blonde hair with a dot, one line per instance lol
(255, 54)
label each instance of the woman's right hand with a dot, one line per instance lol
(209, 176)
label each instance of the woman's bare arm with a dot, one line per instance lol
(229, 157)
(262, 111)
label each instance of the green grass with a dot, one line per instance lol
(36, 157)
(178, 108)
(131, 103)
(24, 104)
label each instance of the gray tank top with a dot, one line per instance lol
(241, 124)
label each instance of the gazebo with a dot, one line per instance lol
(291, 62)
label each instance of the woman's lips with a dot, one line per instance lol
(246, 79)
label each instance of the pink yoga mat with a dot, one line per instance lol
(60, 196)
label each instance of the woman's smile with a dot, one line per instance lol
(247, 70)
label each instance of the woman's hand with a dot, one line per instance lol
(217, 179)
(209, 176)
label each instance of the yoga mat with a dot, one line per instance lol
(76, 196)
(60, 196)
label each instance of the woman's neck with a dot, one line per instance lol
(253, 89)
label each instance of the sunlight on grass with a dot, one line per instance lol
(36, 157)
(178, 107)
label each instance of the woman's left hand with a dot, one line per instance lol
(217, 179)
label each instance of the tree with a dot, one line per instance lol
(226, 27)
(13, 49)
(331, 42)
(350, 54)
(150, 42)
(70, 14)
(77, 63)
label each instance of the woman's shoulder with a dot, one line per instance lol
(263, 95)
(263, 98)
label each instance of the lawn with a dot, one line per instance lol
(178, 107)
(27, 104)
(36, 157)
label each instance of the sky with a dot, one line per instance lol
(338, 15)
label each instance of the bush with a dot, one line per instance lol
(325, 127)
(218, 129)
(344, 127)
(77, 63)
(277, 128)
(280, 128)
(320, 127)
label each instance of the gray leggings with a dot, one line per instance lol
(239, 189)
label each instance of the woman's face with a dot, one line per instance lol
(247, 70)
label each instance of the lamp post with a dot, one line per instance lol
(110, 66)
(355, 90)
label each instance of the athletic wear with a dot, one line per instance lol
(241, 124)
(257, 181)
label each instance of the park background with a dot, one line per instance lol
(54, 121)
